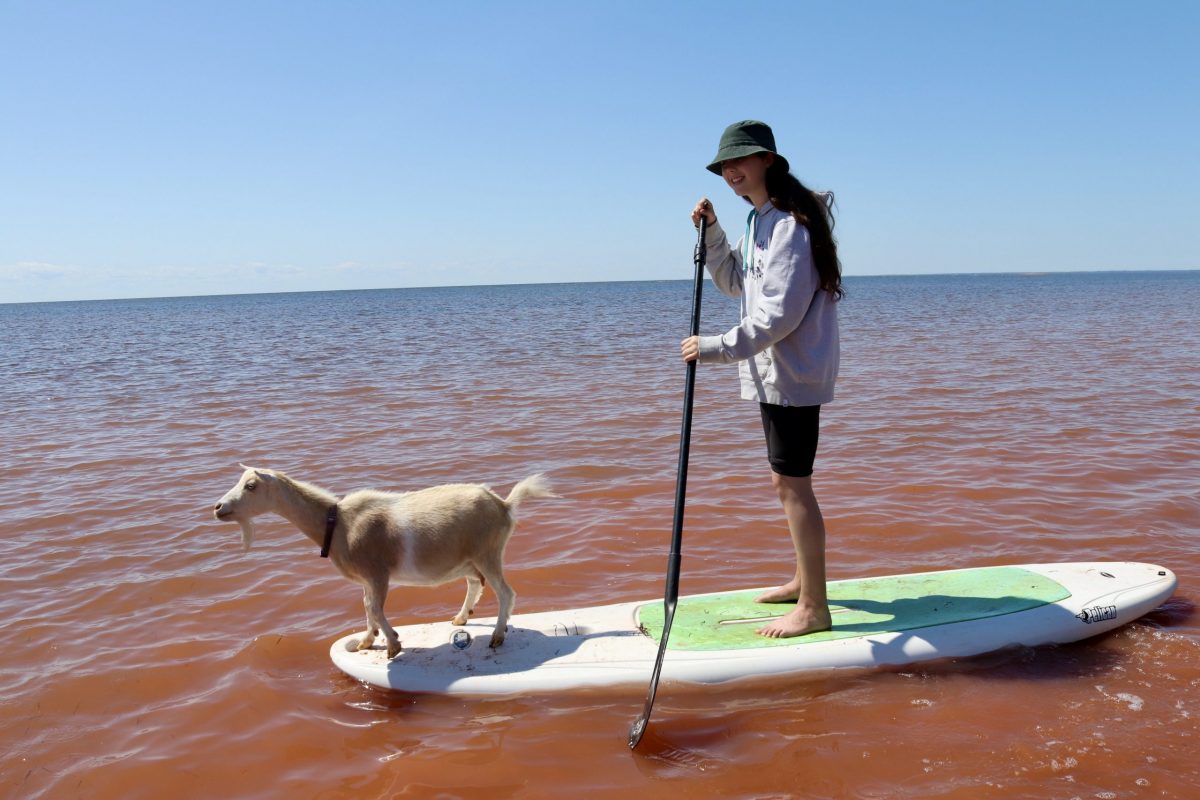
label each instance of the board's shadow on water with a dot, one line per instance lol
(1085, 658)
(710, 729)
(1176, 612)
(1050, 661)
(683, 745)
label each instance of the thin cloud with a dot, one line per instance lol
(38, 270)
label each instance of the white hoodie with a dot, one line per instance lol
(787, 341)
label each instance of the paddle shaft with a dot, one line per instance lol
(671, 595)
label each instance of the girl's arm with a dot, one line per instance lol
(789, 285)
(724, 262)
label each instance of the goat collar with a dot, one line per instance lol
(330, 524)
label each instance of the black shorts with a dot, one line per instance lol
(791, 433)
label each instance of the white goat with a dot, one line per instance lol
(423, 538)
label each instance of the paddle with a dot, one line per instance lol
(685, 438)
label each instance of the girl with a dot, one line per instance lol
(785, 269)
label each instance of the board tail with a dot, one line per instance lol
(532, 487)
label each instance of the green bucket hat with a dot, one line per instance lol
(742, 139)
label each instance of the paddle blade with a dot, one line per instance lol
(635, 732)
(639, 727)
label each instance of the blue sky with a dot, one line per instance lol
(155, 149)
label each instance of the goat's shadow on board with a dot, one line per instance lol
(523, 650)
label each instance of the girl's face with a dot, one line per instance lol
(747, 176)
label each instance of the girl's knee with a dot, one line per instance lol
(792, 484)
(794, 490)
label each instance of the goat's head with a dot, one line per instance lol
(249, 497)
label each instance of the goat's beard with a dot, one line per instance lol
(247, 533)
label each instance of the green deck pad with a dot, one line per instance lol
(860, 607)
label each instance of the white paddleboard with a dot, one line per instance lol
(891, 620)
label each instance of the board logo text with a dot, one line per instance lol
(1097, 613)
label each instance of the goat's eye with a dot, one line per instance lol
(251, 485)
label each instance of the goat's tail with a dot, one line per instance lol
(532, 487)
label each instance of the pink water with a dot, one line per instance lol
(980, 420)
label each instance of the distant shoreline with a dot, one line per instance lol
(849, 278)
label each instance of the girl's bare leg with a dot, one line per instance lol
(807, 588)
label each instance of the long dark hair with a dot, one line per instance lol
(815, 213)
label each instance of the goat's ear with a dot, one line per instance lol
(261, 473)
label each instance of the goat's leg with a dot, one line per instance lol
(374, 593)
(493, 572)
(368, 638)
(474, 591)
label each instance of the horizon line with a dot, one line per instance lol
(1027, 273)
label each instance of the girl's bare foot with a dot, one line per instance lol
(788, 593)
(804, 620)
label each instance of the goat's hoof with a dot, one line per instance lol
(364, 643)
(497, 640)
(459, 620)
(393, 651)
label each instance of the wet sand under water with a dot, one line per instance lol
(980, 420)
